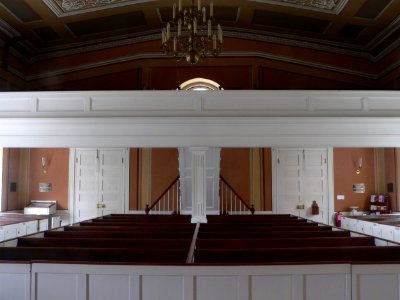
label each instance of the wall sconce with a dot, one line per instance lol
(44, 164)
(359, 165)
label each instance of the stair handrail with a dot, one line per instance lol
(250, 208)
(149, 208)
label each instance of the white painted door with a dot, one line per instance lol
(86, 185)
(301, 178)
(289, 165)
(212, 167)
(314, 184)
(111, 182)
(99, 182)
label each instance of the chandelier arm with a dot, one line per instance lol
(191, 33)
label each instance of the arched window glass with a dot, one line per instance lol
(200, 84)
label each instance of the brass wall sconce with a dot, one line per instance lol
(359, 165)
(44, 164)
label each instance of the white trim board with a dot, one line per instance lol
(208, 131)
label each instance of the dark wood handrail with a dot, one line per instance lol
(148, 208)
(250, 208)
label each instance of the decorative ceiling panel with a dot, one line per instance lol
(109, 23)
(372, 8)
(21, 10)
(221, 13)
(330, 6)
(73, 7)
(289, 22)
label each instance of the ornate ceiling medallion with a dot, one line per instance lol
(72, 7)
(332, 6)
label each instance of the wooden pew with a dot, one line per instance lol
(149, 218)
(103, 255)
(105, 243)
(136, 224)
(118, 234)
(284, 242)
(266, 229)
(164, 229)
(269, 234)
(235, 227)
(367, 254)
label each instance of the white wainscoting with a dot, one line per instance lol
(15, 281)
(372, 282)
(79, 282)
(41, 281)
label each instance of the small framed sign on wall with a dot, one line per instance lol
(359, 188)
(45, 187)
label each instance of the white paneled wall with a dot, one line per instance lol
(122, 282)
(183, 103)
(87, 282)
(15, 281)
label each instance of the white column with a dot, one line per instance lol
(199, 192)
(199, 181)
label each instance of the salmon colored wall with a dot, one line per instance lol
(235, 168)
(57, 174)
(164, 169)
(345, 175)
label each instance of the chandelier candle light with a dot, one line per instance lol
(191, 33)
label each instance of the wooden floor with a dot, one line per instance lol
(161, 239)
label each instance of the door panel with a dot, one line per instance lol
(302, 179)
(86, 185)
(111, 181)
(289, 181)
(99, 183)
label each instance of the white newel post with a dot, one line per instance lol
(199, 181)
(199, 184)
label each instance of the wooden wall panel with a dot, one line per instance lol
(134, 165)
(267, 177)
(15, 178)
(284, 79)
(127, 80)
(229, 77)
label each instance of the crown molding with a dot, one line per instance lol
(330, 6)
(88, 6)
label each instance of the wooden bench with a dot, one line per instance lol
(103, 255)
(136, 224)
(367, 254)
(165, 229)
(118, 234)
(183, 244)
(265, 234)
(265, 229)
(284, 242)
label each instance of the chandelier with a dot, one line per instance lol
(191, 33)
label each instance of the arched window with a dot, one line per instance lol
(200, 84)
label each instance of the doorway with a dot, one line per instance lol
(99, 182)
(301, 177)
